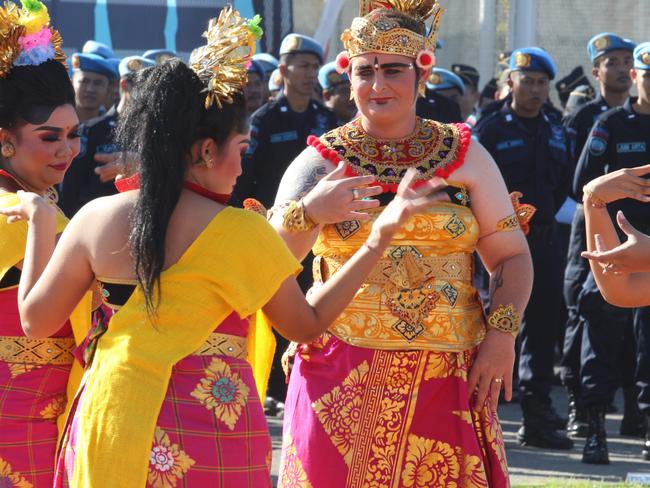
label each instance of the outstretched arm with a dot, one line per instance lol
(619, 272)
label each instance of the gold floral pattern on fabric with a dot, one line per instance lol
(446, 364)
(488, 429)
(432, 462)
(339, 410)
(12, 478)
(167, 462)
(293, 473)
(16, 369)
(432, 146)
(455, 323)
(385, 418)
(55, 408)
(223, 392)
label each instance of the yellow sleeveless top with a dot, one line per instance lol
(237, 263)
(420, 294)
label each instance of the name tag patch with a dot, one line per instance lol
(630, 147)
(510, 144)
(292, 135)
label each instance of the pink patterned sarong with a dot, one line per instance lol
(357, 417)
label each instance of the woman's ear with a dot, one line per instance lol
(209, 152)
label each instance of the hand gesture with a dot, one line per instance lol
(633, 256)
(408, 202)
(30, 205)
(115, 165)
(338, 198)
(620, 184)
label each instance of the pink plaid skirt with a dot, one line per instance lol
(32, 396)
(211, 430)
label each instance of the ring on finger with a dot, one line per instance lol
(355, 194)
(497, 380)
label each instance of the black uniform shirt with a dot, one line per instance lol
(619, 139)
(580, 122)
(438, 107)
(81, 184)
(278, 135)
(533, 157)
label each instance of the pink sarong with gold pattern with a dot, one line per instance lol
(381, 399)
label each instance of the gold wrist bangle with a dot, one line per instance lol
(505, 319)
(589, 198)
(296, 219)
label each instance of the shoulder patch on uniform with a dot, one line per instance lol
(598, 141)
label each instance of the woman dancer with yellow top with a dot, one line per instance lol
(38, 139)
(402, 389)
(170, 396)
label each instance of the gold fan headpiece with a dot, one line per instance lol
(222, 64)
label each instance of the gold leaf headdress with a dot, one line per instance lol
(374, 32)
(25, 36)
(222, 64)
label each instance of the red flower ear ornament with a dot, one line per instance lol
(342, 62)
(426, 59)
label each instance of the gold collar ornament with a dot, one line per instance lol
(222, 64)
(373, 31)
(26, 38)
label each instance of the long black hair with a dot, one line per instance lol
(29, 94)
(160, 127)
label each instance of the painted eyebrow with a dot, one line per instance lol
(54, 129)
(385, 66)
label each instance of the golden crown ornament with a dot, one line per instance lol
(373, 31)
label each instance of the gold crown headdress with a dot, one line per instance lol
(374, 32)
(223, 62)
(26, 38)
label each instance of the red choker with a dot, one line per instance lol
(133, 183)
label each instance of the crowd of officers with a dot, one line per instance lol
(543, 152)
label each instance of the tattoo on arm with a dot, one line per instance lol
(301, 176)
(496, 281)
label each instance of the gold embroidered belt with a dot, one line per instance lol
(223, 345)
(450, 267)
(19, 349)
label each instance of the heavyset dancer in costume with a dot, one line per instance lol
(169, 398)
(38, 135)
(402, 389)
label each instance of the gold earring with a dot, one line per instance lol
(8, 150)
(422, 89)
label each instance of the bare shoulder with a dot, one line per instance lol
(104, 216)
(302, 175)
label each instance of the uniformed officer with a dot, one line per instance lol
(159, 56)
(91, 75)
(92, 172)
(619, 139)
(279, 131)
(471, 78)
(254, 89)
(566, 85)
(443, 90)
(269, 63)
(487, 93)
(533, 153)
(581, 95)
(101, 49)
(336, 93)
(611, 57)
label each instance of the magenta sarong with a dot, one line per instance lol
(357, 417)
